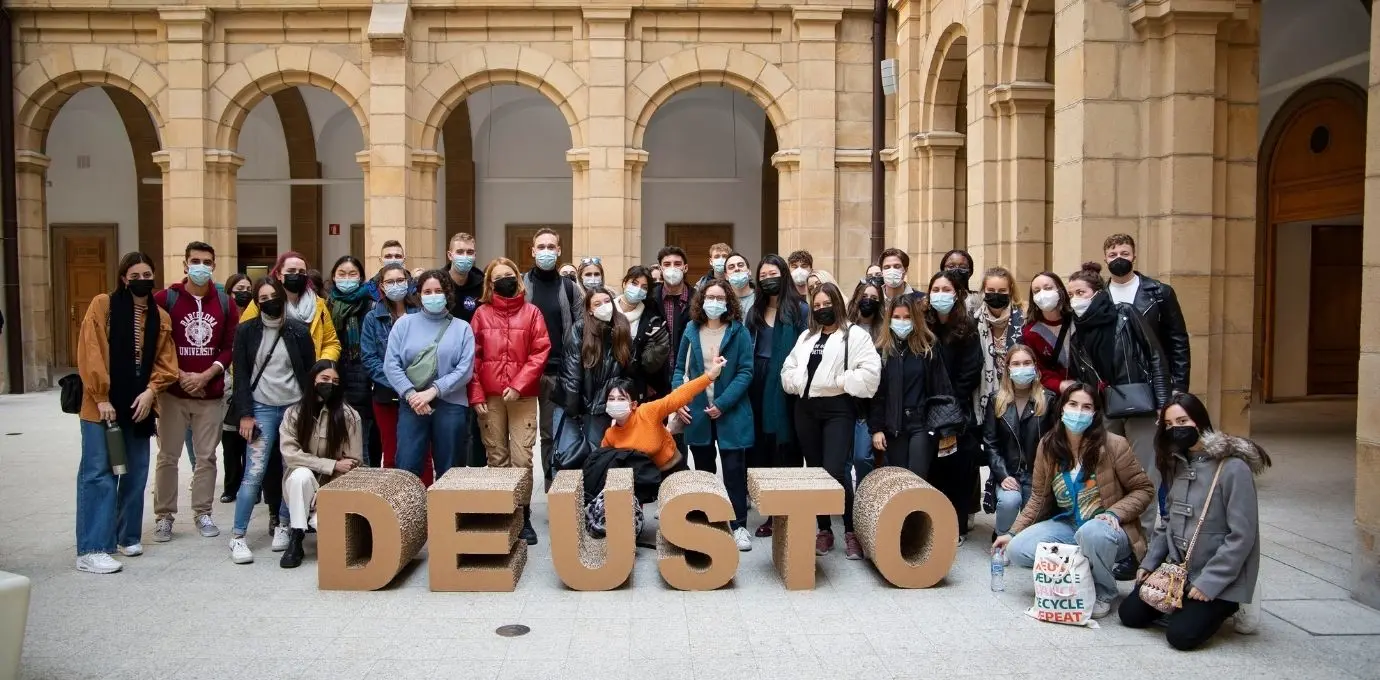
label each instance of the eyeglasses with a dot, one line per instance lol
(590, 260)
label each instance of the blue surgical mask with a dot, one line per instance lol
(546, 259)
(462, 264)
(1023, 376)
(594, 282)
(739, 279)
(1077, 422)
(634, 294)
(200, 274)
(395, 291)
(942, 302)
(346, 286)
(718, 264)
(715, 308)
(901, 328)
(434, 302)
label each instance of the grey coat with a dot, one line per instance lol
(1226, 559)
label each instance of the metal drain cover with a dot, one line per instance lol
(513, 630)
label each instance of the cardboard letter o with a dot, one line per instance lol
(369, 523)
(907, 528)
(682, 493)
(583, 562)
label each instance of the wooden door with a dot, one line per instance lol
(1334, 310)
(357, 245)
(84, 262)
(517, 244)
(695, 240)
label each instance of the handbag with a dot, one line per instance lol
(944, 414)
(72, 389)
(1123, 401)
(1164, 588)
(422, 371)
(571, 457)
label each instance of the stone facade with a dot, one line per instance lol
(1023, 130)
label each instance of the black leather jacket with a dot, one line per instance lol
(1012, 438)
(1159, 306)
(586, 389)
(1136, 356)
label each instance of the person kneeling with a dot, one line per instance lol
(316, 449)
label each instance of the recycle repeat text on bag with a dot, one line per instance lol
(1064, 591)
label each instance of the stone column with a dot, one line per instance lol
(939, 206)
(607, 193)
(31, 174)
(190, 210)
(981, 188)
(635, 160)
(1021, 109)
(579, 198)
(1365, 558)
(222, 205)
(906, 197)
(787, 164)
(421, 224)
(388, 182)
(816, 35)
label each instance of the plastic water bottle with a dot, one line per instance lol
(998, 571)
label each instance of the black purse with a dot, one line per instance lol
(1123, 401)
(571, 457)
(944, 413)
(70, 396)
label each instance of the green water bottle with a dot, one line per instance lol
(115, 448)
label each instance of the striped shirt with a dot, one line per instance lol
(139, 312)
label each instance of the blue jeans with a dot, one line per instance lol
(1009, 504)
(267, 419)
(1103, 546)
(446, 431)
(862, 450)
(110, 509)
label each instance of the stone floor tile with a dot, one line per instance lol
(1327, 617)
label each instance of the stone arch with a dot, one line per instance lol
(748, 73)
(237, 91)
(49, 81)
(1027, 38)
(450, 83)
(944, 81)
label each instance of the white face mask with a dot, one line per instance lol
(618, 410)
(1047, 300)
(604, 312)
(672, 275)
(800, 275)
(893, 277)
(1080, 305)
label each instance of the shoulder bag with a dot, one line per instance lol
(1123, 401)
(1164, 588)
(422, 371)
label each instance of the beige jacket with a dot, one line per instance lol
(313, 455)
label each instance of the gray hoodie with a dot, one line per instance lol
(1226, 558)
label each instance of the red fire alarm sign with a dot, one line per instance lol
(335, 230)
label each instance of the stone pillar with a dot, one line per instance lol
(422, 222)
(635, 160)
(787, 164)
(939, 205)
(389, 177)
(981, 187)
(905, 231)
(1021, 109)
(31, 173)
(579, 198)
(191, 210)
(1365, 558)
(222, 206)
(607, 193)
(816, 35)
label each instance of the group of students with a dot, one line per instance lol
(1077, 404)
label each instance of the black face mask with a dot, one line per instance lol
(997, 300)
(824, 316)
(140, 287)
(506, 286)
(243, 298)
(868, 306)
(1120, 266)
(876, 281)
(958, 277)
(295, 283)
(327, 391)
(1183, 437)
(570, 276)
(770, 285)
(271, 308)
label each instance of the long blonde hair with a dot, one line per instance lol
(1006, 390)
(921, 338)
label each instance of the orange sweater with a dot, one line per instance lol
(645, 429)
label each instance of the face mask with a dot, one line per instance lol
(346, 286)
(272, 308)
(1047, 300)
(200, 274)
(434, 302)
(569, 275)
(462, 264)
(715, 308)
(893, 277)
(506, 286)
(718, 264)
(672, 275)
(243, 298)
(799, 275)
(997, 300)
(901, 328)
(1119, 266)
(546, 259)
(770, 285)
(1077, 422)
(604, 312)
(824, 316)
(141, 287)
(739, 279)
(618, 410)
(395, 291)
(1080, 305)
(958, 275)
(942, 302)
(634, 294)
(392, 260)
(1183, 437)
(868, 306)
(594, 282)
(295, 283)
(327, 391)
(1023, 376)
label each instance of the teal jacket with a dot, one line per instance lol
(730, 390)
(776, 417)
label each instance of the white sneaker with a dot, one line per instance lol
(280, 539)
(132, 550)
(1246, 620)
(743, 539)
(240, 552)
(1102, 608)
(98, 563)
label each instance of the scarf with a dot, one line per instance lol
(304, 310)
(127, 378)
(346, 312)
(1095, 333)
(992, 339)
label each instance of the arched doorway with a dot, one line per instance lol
(1311, 189)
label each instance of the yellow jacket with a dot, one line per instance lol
(322, 329)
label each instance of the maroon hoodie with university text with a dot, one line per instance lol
(203, 333)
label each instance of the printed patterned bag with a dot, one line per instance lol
(1064, 591)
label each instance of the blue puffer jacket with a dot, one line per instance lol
(730, 390)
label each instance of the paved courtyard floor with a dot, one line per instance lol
(183, 610)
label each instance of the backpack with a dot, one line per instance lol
(170, 300)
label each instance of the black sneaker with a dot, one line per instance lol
(1125, 570)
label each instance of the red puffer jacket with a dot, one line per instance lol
(510, 348)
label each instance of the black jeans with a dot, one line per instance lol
(953, 476)
(914, 451)
(1194, 624)
(232, 447)
(735, 474)
(824, 427)
(478, 456)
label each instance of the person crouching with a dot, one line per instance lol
(317, 448)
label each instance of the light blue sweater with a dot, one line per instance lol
(454, 354)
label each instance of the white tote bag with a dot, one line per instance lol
(1064, 591)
